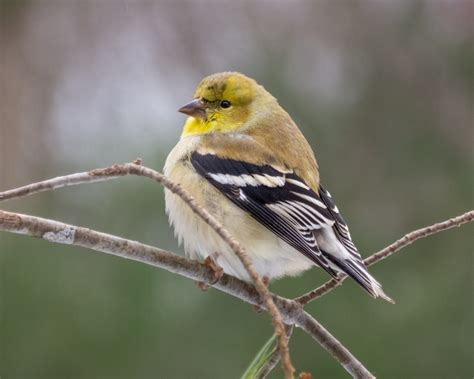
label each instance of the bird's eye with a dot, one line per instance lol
(225, 104)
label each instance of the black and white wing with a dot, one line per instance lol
(280, 201)
(283, 203)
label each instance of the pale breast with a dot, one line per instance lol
(271, 256)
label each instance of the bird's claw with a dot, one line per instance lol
(217, 270)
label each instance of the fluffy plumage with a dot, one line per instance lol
(244, 159)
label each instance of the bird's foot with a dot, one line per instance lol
(217, 270)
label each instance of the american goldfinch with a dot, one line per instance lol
(244, 159)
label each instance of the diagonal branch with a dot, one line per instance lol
(406, 240)
(136, 168)
(273, 359)
(284, 310)
(291, 311)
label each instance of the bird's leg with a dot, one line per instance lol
(217, 270)
(266, 281)
(211, 262)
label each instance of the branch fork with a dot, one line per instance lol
(282, 311)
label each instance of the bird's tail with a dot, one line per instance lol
(357, 271)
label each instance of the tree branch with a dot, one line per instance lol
(406, 240)
(291, 311)
(280, 309)
(273, 359)
(136, 168)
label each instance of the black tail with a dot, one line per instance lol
(357, 271)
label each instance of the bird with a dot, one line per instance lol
(243, 158)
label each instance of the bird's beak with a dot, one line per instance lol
(195, 108)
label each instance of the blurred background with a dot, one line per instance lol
(382, 90)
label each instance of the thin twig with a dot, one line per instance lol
(406, 240)
(411, 237)
(136, 168)
(274, 358)
(291, 311)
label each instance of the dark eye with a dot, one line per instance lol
(225, 104)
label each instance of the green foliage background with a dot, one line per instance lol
(382, 90)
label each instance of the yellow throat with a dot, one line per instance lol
(195, 126)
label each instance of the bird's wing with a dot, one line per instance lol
(281, 201)
(340, 227)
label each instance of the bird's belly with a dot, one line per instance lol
(271, 256)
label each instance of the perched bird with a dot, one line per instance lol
(244, 159)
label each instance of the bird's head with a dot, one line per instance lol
(223, 102)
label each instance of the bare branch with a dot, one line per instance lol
(411, 237)
(291, 311)
(406, 240)
(274, 358)
(136, 168)
(281, 309)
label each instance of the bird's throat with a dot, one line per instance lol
(196, 126)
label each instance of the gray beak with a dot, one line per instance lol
(195, 108)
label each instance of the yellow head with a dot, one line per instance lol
(223, 102)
